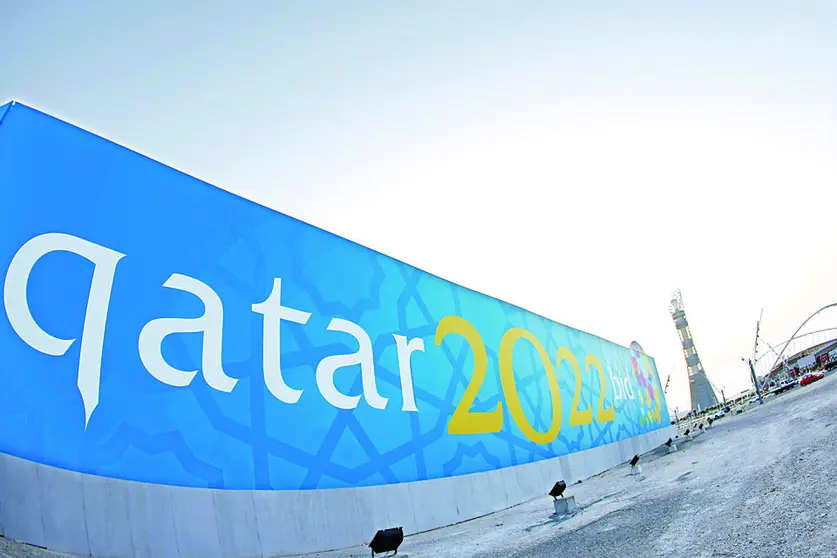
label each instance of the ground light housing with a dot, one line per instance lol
(634, 460)
(387, 540)
(558, 490)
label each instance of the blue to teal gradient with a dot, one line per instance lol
(57, 178)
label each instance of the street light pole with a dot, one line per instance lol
(755, 380)
(750, 361)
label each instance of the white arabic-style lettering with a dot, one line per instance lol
(15, 299)
(210, 324)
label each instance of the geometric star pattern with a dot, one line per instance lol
(166, 222)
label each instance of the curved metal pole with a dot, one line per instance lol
(797, 331)
(769, 346)
(794, 338)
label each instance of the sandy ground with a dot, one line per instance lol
(759, 484)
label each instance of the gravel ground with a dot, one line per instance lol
(762, 484)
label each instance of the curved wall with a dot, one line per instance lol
(99, 516)
(160, 331)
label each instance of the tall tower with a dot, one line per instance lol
(702, 394)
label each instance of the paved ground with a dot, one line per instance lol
(761, 484)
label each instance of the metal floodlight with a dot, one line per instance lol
(700, 426)
(686, 433)
(634, 460)
(558, 490)
(387, 540)
(668, 444)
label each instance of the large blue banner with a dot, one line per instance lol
(159, 329)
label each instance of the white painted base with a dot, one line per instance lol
(672, 448)
(97, 516)
(636, 469)
(565, 506)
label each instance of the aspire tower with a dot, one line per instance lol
(700, 390)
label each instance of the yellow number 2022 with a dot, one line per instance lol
(465, 421)
(580, 418)
(602, 414)
(510, 386)
(577, 418)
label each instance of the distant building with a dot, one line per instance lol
(813, 357)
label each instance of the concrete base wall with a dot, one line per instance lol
(102, 517)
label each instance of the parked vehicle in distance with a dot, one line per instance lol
(785, 386)
(810, 378)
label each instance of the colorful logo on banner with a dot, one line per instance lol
(161, 330)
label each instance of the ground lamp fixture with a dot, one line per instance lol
(686, 432)
(564, 506)
(636, 468)
(558, 490)
(387, 540)
(668, 444)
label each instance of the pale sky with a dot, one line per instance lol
(592, 156)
